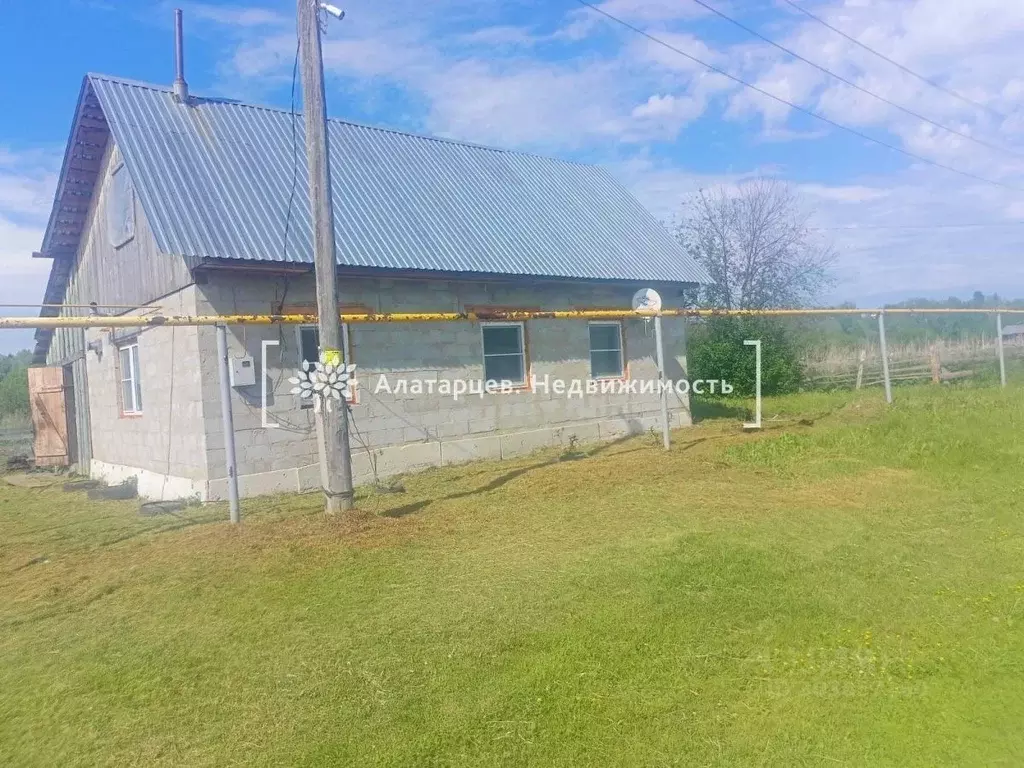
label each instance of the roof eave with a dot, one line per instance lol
(83, 157)
(265, 267)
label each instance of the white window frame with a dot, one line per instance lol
(346, 353)
(621, 350)
(132, 376)
(522, 350)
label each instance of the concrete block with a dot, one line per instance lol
(483, 424)
(612, 429)
(307, 477)
(419, 434)
(379, 438)
(453, 429)
(404, 458)
(249, 454)
(257, 484)
(469, 449)
(519, 443)
(587, 432)
(150, 485)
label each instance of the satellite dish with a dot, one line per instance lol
(646, 301)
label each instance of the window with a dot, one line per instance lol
(309, 344)
(606, 350)
(131, 389)
(309, 349)
(121, 208)
(504, 352)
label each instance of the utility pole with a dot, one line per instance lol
(1002, 356)
(332, 424)
(884, 352)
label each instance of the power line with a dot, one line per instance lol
(896, 64)
(295, 152)
(854, 85)
(966, 225)
(797, 107)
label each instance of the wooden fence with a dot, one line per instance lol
(850, 368)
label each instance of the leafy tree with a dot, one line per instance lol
(14, 384)
(755, 242)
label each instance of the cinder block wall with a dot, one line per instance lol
(164, 447)
(399, 432)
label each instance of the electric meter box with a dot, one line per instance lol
(243, 371)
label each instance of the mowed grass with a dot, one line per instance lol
(846, 587)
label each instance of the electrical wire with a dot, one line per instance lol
(797, 107)
(295, 155)
(291, 203)
(968, 225)
(371, 456)
(852, 84)
(896, 64)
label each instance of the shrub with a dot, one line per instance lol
(14, 392)
(717, 351)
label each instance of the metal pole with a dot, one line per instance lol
(885, 357)
(665, 439)
(180, 85)
(756, 344)
(757, 385)
(999, 343)
(229, 422)
(332, 426)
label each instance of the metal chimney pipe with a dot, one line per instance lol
(180, 86)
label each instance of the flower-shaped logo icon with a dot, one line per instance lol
(323, 382)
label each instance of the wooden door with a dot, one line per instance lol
(49, 416)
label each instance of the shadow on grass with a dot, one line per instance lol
(179, 524)
(704, 410)
(500, 480)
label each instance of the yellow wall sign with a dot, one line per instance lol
(331, 357)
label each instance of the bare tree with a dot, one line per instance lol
(755, 242)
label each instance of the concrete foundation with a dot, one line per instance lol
(151, 485)
(410, 457)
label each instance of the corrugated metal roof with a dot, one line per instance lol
(215, 178)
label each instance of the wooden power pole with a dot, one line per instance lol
(332, 424)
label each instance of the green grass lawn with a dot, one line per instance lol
(846, 587)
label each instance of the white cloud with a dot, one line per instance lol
(657, 106)
(519, 105)
(27, 180)
(237, 15)
(967, 47)
(641, 12)
(503, 35)
(663, 116)
(847, 194)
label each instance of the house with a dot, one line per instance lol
(201, 207)
(1013, 334)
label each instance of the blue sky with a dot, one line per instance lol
(553, 77)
